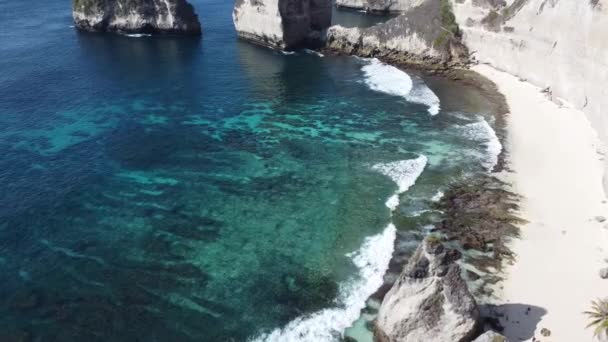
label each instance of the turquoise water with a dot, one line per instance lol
(175, 189)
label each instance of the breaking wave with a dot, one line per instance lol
(483, 133)
(391, 80)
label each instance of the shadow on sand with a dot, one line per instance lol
(517, 322)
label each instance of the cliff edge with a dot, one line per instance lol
(136, 16)
(558, 45)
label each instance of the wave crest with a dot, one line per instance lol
(394, 81)
(483, 133)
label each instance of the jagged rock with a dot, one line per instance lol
(423, 35)
(282, 24)
(429, 302)
(136, 16)
(491, 336)
(379, 5)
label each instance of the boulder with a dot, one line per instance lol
(136, 16)
(604, 273)
(282, 24)
(429, 302)
(491, 336)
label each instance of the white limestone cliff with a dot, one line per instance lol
(282, 24)
(561, 45)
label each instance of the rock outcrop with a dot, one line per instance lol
(136, 16)
(424, 35)
(430, 301)
(559, 45)
(282, 24)
(380, 5)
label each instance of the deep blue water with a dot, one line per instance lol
(183, 189)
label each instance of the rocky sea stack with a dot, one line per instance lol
(430, 301)
(136, 16)
(283, 24)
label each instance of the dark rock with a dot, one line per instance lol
(545, 332)
(604, 273)
(472, 275)
(136, 16)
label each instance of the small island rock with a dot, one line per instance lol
(136, 16)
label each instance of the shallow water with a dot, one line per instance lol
(204, 190)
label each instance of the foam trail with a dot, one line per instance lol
(482, 132)
(313, 52)
(438, 196)
(327, 325)
(402, 172)
(391, 80)
(138, 35)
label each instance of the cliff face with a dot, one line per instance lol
(380, 5)
(282, 24)
(136, 16)
(423, 35)
(559, 44)
(429, 302)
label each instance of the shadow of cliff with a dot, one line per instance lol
(516, 321)
(131, 59)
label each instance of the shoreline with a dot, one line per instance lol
(555, 157)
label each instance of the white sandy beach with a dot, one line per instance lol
(556, 159)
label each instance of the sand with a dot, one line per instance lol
(556, 162)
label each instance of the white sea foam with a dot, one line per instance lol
(392, 202)
(288, 53)
(313, 52)
(438, 196)
(483, 133)
(403, 172)
(391, 80)
(138, 35)
(327, 325)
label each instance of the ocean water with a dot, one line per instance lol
(182, 189)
